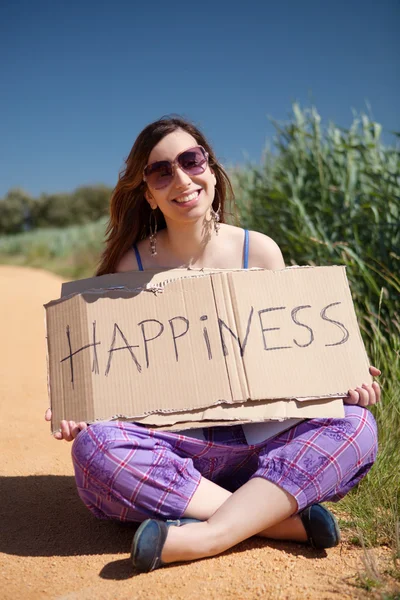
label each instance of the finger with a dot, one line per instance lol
(364, 397)
(352, 397)
(377, 389)
(65, 430)
(58, 435)
(77, 428)
(371, 394)
(374, 371)
(73, 429)
(47, 414)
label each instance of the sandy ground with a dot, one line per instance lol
(51, 547)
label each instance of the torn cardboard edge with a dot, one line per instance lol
(142, 280)
(191, 425)
(230, 292)
(249, 412)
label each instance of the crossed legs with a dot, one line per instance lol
(259, 507)
(128, 473)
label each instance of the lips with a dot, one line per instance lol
(187, 199)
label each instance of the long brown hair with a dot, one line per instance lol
(130, 211)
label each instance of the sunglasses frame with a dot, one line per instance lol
(175, 163)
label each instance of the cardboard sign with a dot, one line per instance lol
(241, 346)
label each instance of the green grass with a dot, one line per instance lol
(370, 514)
(373, 509)
(72, 252)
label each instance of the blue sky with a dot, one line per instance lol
(79, 80)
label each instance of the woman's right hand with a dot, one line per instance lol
(69, 429)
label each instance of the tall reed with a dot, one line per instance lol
(332, 197)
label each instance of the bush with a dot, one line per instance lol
(19, 212)
(15, 212)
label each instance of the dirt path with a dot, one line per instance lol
(51, 547)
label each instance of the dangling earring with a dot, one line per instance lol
(215, 217)
(153, 233)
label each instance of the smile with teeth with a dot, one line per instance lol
(188, 198)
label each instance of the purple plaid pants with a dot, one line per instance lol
(127, 472)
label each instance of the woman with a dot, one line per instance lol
(168, 210)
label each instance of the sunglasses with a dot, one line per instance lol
(160, 174)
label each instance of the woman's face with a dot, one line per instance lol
(186, 198)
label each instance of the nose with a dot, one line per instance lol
(182, 179)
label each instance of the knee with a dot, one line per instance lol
(360, 417)
(91, 443)
(103, 431)
(362, 429)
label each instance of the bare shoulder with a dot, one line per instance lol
(127, 263)
(264, 252)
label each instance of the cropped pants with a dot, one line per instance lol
(127, 472)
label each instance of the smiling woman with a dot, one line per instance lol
(170, 160)
(168, 210)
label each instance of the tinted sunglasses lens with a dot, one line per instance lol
(193, 161)
(159, 174)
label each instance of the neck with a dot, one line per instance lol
(187, 242)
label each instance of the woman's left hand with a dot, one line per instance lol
(366, 395)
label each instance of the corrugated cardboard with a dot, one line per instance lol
(200, 347)
(248, 412)
(136, 279)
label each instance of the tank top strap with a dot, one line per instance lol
(245, 252)
(139, 260)
(246, 249)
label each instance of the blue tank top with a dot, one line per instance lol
(245, 252)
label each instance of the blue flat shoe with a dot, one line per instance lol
(149, 541)
(321, 526)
